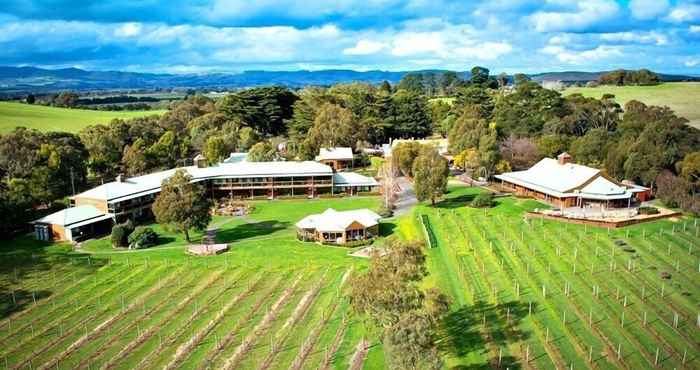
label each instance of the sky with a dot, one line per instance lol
(201, 36)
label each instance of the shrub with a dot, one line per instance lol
(120, 234)
(142, 237)
(385, 212)
(648, 211)
(483, 200)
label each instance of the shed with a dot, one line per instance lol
(73, 224)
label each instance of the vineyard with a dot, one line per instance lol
(191, 316)
(272, 302)
(542, 294)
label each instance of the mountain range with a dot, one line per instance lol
(16, 80)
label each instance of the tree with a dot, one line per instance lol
(521, 153)
(334, 126)
(217, 149)
(525, 112)
(262, 152)
(389, 294)
(480, 75)
(475, 98)
(467, 159)
(182, 205)
(689, 168)
(403, 155)
(430, 172)
(264, 109)
(467, 130)
(168, 150)
(134, 159)
(30, 99)
(410, 116)
(412, 82)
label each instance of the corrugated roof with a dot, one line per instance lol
(353, 179)
(563, 180)
(550, 175)
(336, 221)
(73, 215)
(339, 153)
(141, 185)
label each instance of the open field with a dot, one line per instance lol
(272, 302)
(45, 118)
(682, 97)
(550, 295)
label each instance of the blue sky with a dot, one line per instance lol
(230, 35)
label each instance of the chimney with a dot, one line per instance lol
(120, 178)
(564, 158)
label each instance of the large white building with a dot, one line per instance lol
(132, 197)
(565, 184)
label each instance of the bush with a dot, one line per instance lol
(648, 211)
(120, 234)
(385, 212)
(142, 237)
(483, 200)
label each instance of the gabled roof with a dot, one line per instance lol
(548, 175)
(337, 221)
(74, 216)
(340, 153)
(566, 180)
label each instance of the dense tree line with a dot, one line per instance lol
(492, 131)
(623, 77)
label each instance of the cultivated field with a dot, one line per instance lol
(546, 295)
(270, 303)
(682, 97)
(45, 118)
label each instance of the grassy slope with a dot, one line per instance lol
(479, 251)
(682, 97)
(70, 288)
(57, 119)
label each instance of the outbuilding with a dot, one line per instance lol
(337, 158)
(73, 224)
(339, 227)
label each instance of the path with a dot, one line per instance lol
(406, 197)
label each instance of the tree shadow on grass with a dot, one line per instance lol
(456, 202)
(24, 259)
(250, 230)
(463, 331)
(386, 228)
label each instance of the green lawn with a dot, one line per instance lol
(682, 97)
(523, 292)
(260, 303)
(45, 118)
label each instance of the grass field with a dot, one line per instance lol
(544, 295)
(271, 302)
(45, 118)
(682, 97)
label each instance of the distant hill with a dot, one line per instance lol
(577, 76)
(17, 80)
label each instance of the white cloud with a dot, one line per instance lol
(692, 62)
(684, 13)
(636, 37)
(364, 47)
(648, 9)
(128, 30)
(582, 57)
(695, 29)
(586, 14)
(484, 51)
